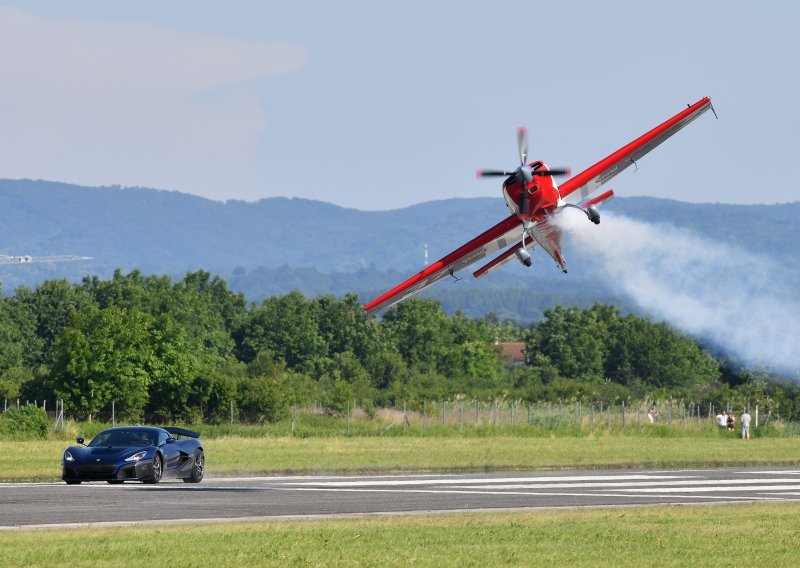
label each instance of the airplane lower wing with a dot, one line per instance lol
(530, 243)
(497, 238)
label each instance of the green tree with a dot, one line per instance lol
(105, 356)
(124, 356)
(286, 327)
(421, 331)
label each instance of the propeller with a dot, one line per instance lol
(524, 171)
(524, 174)
(522, 143)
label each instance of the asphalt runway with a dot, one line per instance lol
(247, 498)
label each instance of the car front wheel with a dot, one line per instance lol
(158, 470)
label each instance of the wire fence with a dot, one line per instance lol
(462, 414)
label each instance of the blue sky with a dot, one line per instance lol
(380, 105)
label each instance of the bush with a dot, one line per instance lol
(25, 422)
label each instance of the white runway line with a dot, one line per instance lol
(485, 480)
(673, 483)
(678, 490)
(447, 491)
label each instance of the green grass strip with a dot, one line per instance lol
(729, 535)
(40, 460)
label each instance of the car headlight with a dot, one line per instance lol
(68, 457)
(136, 457)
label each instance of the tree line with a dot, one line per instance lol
(184, 350)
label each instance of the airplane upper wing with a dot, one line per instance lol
(489, 242)
(579, 187)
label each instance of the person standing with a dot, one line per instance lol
(745, 425)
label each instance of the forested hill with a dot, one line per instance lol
(279, 244)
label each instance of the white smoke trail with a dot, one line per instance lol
(746, 304)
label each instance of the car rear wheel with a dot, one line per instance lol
(158, 470)
(198, 468)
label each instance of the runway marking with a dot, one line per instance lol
(714, 489)
(485, 480)
(672, 483)
(521, 493)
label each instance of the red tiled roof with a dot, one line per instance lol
(513, 351)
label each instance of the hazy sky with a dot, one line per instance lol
(379, 105)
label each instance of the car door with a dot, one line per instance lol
(171, 451)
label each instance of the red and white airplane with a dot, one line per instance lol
(534, 199)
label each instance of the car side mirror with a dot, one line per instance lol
(80, 441)
(171, 440)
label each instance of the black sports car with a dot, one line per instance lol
(135, 453)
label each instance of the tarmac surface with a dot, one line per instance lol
(44, 505)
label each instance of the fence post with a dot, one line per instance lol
(529, 413)
(477, 412)
(405, 417)
(756, 416)
(231, 413)
(348, 418)
(424, 415)
(609, 417)
(444, 410)
(623, 414)
(592, 416)
(560, 408)
(294, 417)
(494, 418)
(639, 417)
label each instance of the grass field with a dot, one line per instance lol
(728, 535)
(227, 455)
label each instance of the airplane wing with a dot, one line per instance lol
(581, 186)
(488, 242)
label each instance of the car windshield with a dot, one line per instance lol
(125, 437)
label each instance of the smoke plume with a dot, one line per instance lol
(745, 304)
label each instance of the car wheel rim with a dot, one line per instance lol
(198, 465)
(157, 468)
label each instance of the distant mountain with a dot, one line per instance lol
(279, 244)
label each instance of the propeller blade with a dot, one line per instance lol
(522, 142)
(553, 172)
(487, 173)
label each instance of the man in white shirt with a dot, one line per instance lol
(745, 425)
